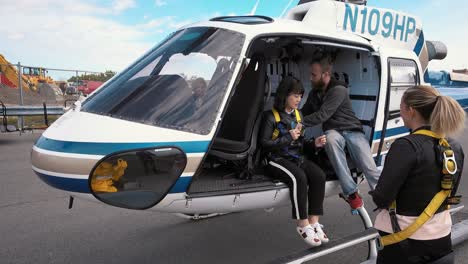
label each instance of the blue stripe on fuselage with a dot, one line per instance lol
(82, 186)
(181, 185)
(391, 132)
(66, 184)
(463, 102)
(94, 148)
(420, 44)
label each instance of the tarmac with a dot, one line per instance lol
(36, 225)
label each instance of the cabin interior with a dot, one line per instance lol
(234, 163)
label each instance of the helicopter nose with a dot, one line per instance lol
(63, 171)
(67, 165)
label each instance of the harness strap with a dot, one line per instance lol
(449, 168)
(430, 210)
(425, 132)
(393, 218)
(298, 116)
(449, 164)
(277, 116)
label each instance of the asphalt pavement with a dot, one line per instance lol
(37, 227)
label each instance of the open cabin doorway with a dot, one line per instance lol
(234, 162)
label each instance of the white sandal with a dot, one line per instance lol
(309, 235)
(318, 228)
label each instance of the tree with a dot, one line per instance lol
(101, 77)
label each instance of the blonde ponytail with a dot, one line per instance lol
(447, 118)
(443, 113)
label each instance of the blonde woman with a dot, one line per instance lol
(412, 177)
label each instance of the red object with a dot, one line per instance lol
(355, 201)
(4, 80)
(88, 87)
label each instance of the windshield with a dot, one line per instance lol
(180, 84)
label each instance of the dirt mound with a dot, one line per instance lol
(48, 93)
(10, 95)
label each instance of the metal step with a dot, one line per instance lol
(456, 209)
(331, 247)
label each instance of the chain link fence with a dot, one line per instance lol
(30, 87)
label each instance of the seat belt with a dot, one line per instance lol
(449, 168)
(277, 116)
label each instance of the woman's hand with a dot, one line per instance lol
(321, 141)
(295, 134)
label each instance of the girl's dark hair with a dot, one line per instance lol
(289, 85)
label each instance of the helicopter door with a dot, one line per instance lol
(402, 74)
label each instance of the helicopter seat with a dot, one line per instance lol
(236, 139)
(230, 146)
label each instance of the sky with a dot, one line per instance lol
(99, 35)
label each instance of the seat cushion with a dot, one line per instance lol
(229, 146)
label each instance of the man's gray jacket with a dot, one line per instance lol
(333, 109)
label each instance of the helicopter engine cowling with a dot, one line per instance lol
(436, 50)
(433, 50)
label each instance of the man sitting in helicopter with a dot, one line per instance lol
(198, 91)
(329, 104)
(283, 145)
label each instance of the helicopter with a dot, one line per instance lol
(176, 131)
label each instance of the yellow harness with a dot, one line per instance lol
(276, 132)
(449, 168)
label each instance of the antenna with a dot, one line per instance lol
(286, 8)
(254, 9)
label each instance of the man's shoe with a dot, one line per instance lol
(309, 235)
(355, 201)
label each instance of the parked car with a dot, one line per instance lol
(71, 90)
(87, 87)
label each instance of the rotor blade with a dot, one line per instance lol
(254, 9)
(286, 8)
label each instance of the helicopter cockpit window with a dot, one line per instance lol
(179, 85)
(192, 66)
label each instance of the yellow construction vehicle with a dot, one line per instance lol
(9, 75)
(36, 75)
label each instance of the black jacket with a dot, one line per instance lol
(283, 146)
(412, 174)
(333, 109)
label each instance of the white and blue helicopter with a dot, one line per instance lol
(176, 130)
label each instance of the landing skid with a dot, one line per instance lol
(196, 217)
